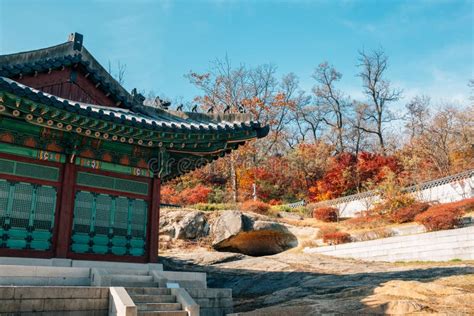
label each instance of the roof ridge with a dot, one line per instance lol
(37, 50)
(64, 54)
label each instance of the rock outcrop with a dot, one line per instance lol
(237, 232)
(298, 284)
(184, 225)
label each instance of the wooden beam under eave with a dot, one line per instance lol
(33, 107)
(120, 129)
(103, 125)
(65, 116)
(137, 133)
(75, 119)
(94, 123)
(44, 110)
(129, 131)
(83, 121)
(55, 114)
(111, 126)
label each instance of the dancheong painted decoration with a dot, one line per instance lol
(82, 159)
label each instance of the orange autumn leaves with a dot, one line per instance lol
(311, 172)
(347, 174)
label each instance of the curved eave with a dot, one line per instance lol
(173, 132)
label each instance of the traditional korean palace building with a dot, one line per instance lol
(82, 159)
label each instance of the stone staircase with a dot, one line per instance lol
(124, 278)
(144, 291)
(155, 301)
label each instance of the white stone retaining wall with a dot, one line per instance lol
(435, 246)
(449, 189)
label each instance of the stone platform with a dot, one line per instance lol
(76, 287)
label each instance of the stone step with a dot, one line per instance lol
(133, 284)
(148, 291)
(158, 307)
(163, 313)
(132, 280)
(126, 272)
(153, 298)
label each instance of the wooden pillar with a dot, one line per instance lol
(66, 210)
(154, 222)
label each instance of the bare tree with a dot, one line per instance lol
(417, 115)
(447, 140)
(305, 121)
(119, 75)
(356, 119)
(379, 92)
(248, 89)
(331, 100)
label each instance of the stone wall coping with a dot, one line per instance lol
(186, 301)
(120, 303)
(58, 262)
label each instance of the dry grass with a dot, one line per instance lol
(308, 243)
(366, 222)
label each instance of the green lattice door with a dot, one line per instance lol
(27, 207)
(109, 223)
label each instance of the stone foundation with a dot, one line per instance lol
(213, 302)
(31, 286)
(25, 300)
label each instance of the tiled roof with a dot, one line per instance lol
(148, 118)
(64, 55)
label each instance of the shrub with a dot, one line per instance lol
(336, 238)
(392, 204)
(302, 210)
(308, 243)
(441, 216)
(326, 214)
(466, 205)
(323, 230)
(281, 208)
(408, 213)
(274, 202)
(255, 207)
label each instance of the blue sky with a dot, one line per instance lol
(430, 43)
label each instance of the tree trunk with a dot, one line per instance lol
(233, 179)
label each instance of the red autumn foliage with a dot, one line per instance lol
(255, 207)
(407, 214)
(336, 238)
(198, 194)
(188, 196)
(326, 214)
(347, 173)
(466, 205)
(274, 202)
(169, 195)
(441, 216)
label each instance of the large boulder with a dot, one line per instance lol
(184, 225)
(237, 232)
